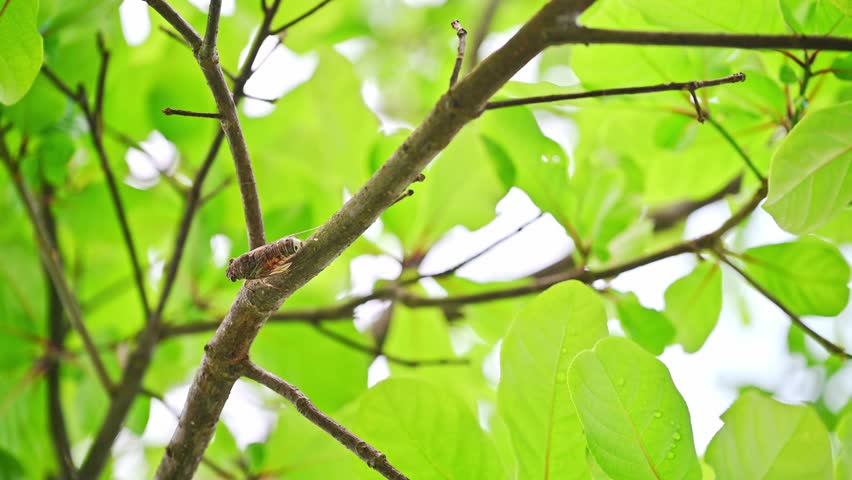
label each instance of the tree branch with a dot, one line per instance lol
(372, 457)
(375, 352)
(50, 260)
(462, 34)
(703, 242)
(482, 30)
(570, 33)
(95, 123)
(188, 113)
(57, 330)
(313, 10)
(609, 92)
(797, 321)
(208, 60)
(731, 141)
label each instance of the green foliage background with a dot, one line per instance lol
(572, 402)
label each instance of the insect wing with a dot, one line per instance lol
(272, 266)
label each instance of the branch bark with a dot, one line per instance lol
(366, 452)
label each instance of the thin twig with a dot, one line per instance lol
(375, 352)
(57, 331)
(207, 59)
(699, 114)
(826, 343)
(366, 452)
(479, 254)
(610, 92)
(481, 31)
(50, 260)
(462, 34)
(286, 26)
(96, 132)
(727, 136)
(188, 113)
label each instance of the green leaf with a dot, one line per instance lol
(810, 17)
(137, 419)
(763, 438)
(809, 276)
(650, 328)
(533, 397)
(40, 109)
(845, 6)
(636, 422)
(810, 177)
(21, 49)
(502, 161)
(426, 431)
(843, 466)
(693, 303)
(842, 67)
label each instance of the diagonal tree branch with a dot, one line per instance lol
(313, 10)
(482, 30)
(366, 452)
(797, 321)
(375, 352)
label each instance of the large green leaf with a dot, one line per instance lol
(21, 49)
(533, 397)
(426, 431)
(635, 420)
(810, 178)
(809, 276)
(765, 439)
(693, 303)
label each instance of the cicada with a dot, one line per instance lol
(266, 261)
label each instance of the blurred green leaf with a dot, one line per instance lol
(21, 49)
(763, 438)
(843, 463)
(809, 178)
(533, 397)
(809, 276)
(693, 303)
(842, 67)
(635, 421)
